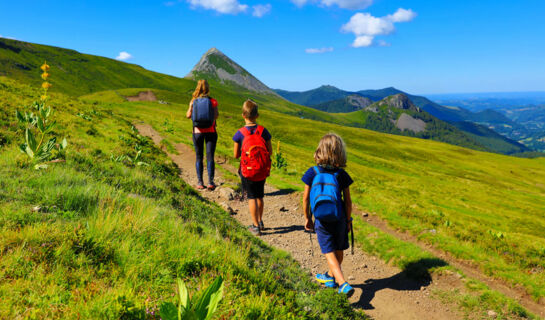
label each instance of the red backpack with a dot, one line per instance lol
(255, 159)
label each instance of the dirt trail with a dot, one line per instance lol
(382, 291)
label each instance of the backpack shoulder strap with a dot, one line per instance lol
(336, 174)
(245, 132)
(316, 170)
(259, 130)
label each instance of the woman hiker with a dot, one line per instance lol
(203, 111)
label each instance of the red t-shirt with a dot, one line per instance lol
(213, 127)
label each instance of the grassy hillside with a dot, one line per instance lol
(76, 73)
(488, 137)
(100, 237)
(481, 207)
(315, 96)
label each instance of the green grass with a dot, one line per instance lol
(95, 238)
(468, 197)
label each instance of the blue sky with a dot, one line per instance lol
(414, 45)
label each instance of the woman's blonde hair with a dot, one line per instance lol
(202, 89)
(331, 151)
(249, 110)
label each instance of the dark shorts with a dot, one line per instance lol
(253, 189)
(332, 236)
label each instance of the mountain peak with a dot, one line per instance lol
(400, 101)
(215, 65)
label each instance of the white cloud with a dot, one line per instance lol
(319, 50)
(345, 4)
(402, 15)
(123, 56)
(362, 41)
(366, 27)
(221, 6)
(382, 43)
(348, 4)
(261, 9)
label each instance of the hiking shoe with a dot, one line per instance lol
(200, 187)
(326, 280)
(347, 289)
(261, 225)
(254, 230)
(211, 187)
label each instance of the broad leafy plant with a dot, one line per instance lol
(38, 125)
(202, 308)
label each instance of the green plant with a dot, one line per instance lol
(37, 126)
(201, 309)
(168, 127)
(279, 160)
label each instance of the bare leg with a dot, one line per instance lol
(339, 255)
(260, 205)
(335, 267)
(252, 204)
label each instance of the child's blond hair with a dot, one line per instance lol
(249, 110)
(202, 89)
(331, 151)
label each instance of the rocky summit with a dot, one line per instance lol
(400, 101)
(215, 65)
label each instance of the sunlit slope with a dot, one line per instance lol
(480, 206)
(99, 237)
(76, 73)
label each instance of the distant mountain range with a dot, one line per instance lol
(331, 99)
(386, 110)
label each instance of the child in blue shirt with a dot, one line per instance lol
(330, 157)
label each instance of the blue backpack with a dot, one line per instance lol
(325, 196)
(203, 113)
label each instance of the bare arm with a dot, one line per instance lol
(236, 150)
(189, 110)
(309, 225)
(347, 203)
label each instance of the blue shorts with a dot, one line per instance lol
(332, 236)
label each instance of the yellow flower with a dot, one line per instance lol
(45, 67)
(46, 85)
(44, 97)
(45, 75)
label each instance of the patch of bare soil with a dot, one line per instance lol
(143, 96)
(383, 291)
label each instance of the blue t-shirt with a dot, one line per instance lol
(343, 177)
(238, 137)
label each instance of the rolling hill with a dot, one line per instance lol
(483, 208)
(353, 102)
(77, 73)
(318, 99)
(80, 74)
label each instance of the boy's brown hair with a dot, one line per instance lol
(331, 151)
(249, 110)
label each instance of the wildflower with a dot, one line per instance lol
(46, 85)
(45, 67)
(45, 75)
(44, 97)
